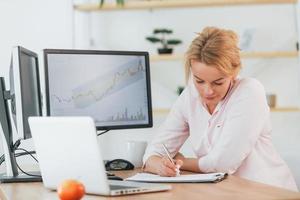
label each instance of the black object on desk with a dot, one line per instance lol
(118, 164)
(111, 176)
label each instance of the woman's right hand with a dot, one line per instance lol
(162, 166)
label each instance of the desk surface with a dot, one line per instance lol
(230, 188)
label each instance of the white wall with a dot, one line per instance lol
(34, 24)
(269, 32)
(271, 28)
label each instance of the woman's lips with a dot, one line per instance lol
(209, 98)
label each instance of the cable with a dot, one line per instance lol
(24, 153)
(27, 152)
(14, 147)
(16, 144)
(2, 157)
(26, 172)
(102, 132)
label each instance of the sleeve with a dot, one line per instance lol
(173, 132)
(242, 128)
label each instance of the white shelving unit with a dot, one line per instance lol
(281, 109)
(246, 55)
(166, 4)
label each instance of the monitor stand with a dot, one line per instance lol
(12, 174)
(21, 178)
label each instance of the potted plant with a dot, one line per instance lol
(119, 2)
(166, 43)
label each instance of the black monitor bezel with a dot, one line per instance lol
(103, 52)
(21, 50)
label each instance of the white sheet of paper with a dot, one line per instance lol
(192, 178)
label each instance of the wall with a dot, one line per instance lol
(34, 24)
(259, 32)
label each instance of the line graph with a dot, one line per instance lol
(105, 85)
(125, 116)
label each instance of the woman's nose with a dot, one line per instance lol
(208, 90)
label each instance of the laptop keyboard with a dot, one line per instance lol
(113, 177)
(120, 187)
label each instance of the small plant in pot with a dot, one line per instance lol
(166, 43)
(118, 2)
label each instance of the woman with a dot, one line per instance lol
(226, 117)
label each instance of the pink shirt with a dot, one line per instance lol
(235, 138)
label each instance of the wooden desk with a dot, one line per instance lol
(231, 188)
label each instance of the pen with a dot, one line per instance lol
(170, 158)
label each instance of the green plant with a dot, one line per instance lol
(166, 43)
(119, 2)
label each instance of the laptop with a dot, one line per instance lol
(67, 148)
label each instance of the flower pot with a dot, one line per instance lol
(165, 51)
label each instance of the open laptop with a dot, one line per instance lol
(67, 148)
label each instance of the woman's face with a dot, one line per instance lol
(211, 83)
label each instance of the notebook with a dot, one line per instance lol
(67, 148)
(189, 178)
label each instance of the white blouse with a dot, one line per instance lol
(235, 138)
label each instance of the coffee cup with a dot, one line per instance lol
(135, 151)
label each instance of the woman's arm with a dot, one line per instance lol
(161, 166)
(188, 164)
(173, 133)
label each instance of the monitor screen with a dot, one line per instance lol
(113, 87)
(24, 89)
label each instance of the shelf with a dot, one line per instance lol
(274, 54)
(246, 55)
(161, 111)
(154, 4)
(285, 109)
(279, 109)
(171, 57)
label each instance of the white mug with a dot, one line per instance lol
(135, 151)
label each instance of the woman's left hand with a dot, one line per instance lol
(179, 156)
(188, 164)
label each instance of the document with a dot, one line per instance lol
(189, 178)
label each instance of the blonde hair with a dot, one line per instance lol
(215, 47)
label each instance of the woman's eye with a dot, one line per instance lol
(218, 83)
(200, 82)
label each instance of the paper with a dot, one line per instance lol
(189, 178)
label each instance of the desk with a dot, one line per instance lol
(231, 188)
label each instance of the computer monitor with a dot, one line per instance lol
(26, 101)
(113, 87)
(24, 89)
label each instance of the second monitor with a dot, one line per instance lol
(113, 87)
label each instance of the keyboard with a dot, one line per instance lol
(119, 187)
(113, 177)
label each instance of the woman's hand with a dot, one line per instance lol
(179, 156)
(162, 166)
(188, 164)
(167, 168)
